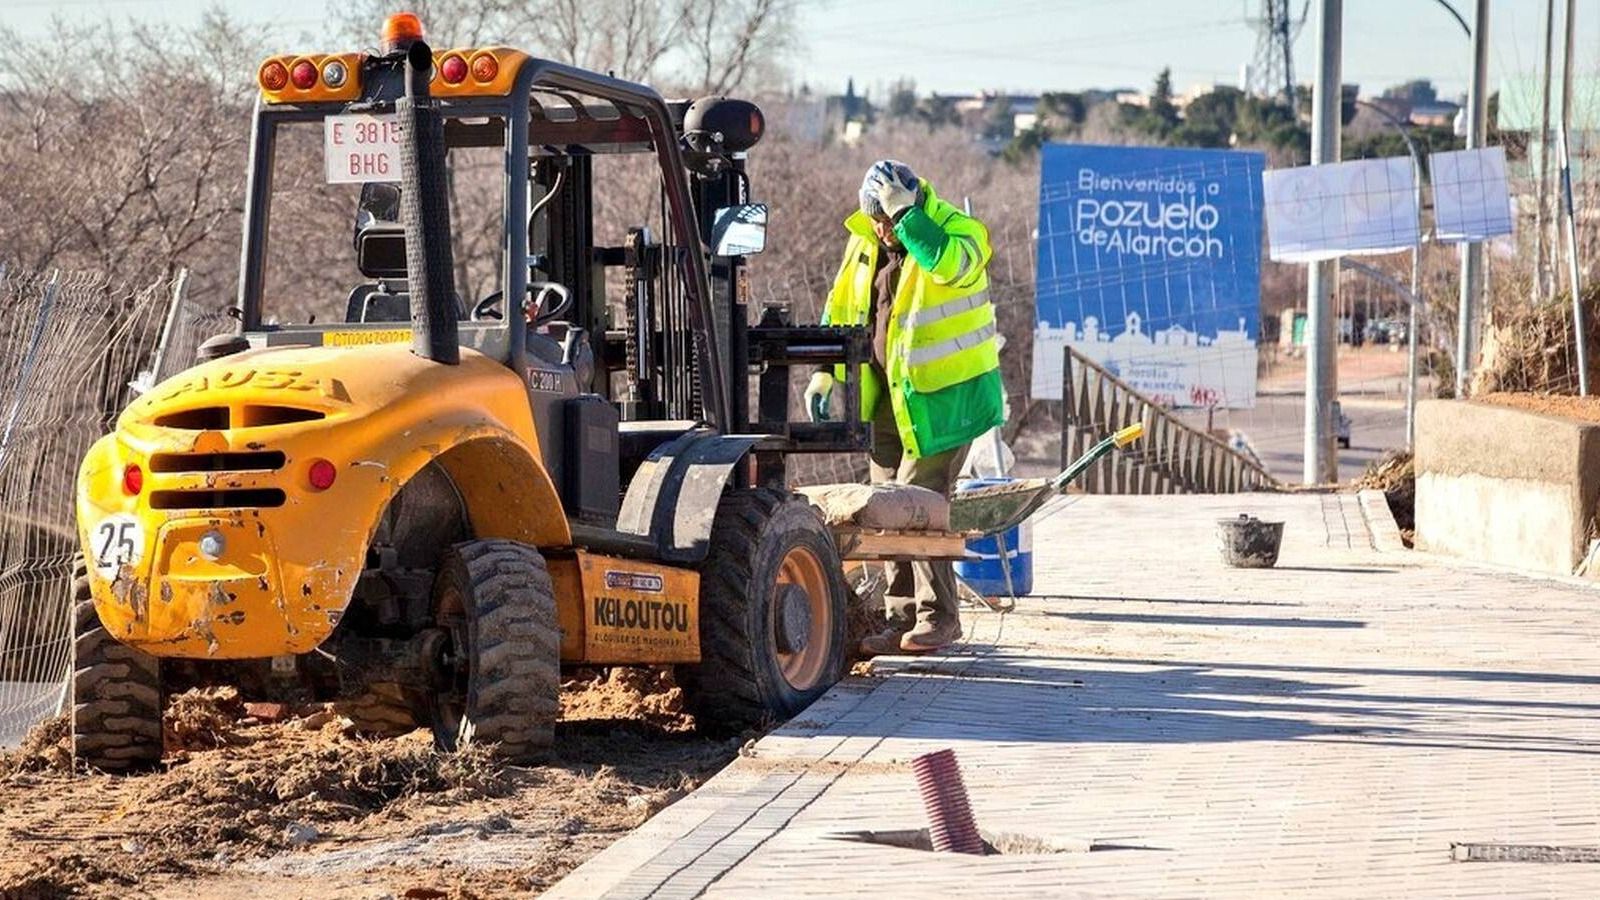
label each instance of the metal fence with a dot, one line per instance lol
(1172, 458)
(70, 344)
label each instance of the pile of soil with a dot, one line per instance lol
(252, 799)
(646, 696)
(1396, 475)
(47, 748)
(1584, 409)
(202, 718)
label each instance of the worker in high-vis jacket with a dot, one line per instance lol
(914, 273)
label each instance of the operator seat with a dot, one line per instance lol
(387, 300)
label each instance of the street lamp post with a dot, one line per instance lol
(1416, 270)
(1322, 374)
(1472, 251)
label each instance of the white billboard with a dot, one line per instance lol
(1352, 208)
(1471, 198)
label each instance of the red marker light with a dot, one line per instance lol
(322, 474)
(132, 480)
(273, 76)
(304, 74)
(484, 68)
(453, 70)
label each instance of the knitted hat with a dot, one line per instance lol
(882, 171)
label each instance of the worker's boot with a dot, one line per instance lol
(883, 643)
(938, 615)
(926, 636)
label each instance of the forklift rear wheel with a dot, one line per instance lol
(501, 667)
(772, 612)
(116, 693)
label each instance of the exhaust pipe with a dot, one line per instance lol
(425, 212)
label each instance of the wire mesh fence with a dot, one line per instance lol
(70, 343)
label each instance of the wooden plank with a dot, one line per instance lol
(871, 545)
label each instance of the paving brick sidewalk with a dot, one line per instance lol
(1326, 728)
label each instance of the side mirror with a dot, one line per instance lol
(739, 230)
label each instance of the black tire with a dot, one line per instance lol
(498, 603)
(743, 676)
(116, 693)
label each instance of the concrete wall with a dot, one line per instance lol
(1504, 486)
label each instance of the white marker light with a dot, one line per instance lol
(334, 74)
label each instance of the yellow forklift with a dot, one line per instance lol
(457, 489)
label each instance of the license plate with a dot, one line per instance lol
(361, 148)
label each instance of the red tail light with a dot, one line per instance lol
(132, 480)
(453, 70)
(322, 474)
(304, 75)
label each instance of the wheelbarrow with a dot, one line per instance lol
(982, 512)
(985, 511)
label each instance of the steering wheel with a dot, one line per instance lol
(487, 308)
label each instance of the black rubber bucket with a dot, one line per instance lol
(1249, 543)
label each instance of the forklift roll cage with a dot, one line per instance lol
(642, 118)
(547, 114)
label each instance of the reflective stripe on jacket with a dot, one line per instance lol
(943, 359)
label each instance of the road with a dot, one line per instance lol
(1371, 393)
(1276, 429)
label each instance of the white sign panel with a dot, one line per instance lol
(1340, 209)
(1471, 199)
(361, 148)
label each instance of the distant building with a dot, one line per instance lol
(1439, 114)
(1521, 110)
(847, 115)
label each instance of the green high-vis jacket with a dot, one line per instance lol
(942, 349)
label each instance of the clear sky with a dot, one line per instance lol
(959, 46)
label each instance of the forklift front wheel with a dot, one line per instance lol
(772, 612)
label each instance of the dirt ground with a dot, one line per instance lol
(257, 800)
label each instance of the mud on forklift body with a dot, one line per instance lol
(446, 511)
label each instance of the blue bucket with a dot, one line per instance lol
(984, 573)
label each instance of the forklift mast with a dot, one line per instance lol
(651, 348)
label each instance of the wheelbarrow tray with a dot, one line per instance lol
(1001, 507)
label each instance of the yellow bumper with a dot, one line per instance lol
(227, 583)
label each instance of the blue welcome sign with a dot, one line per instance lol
(1150, 264)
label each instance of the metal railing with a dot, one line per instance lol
(1173, 458)
(69, 345)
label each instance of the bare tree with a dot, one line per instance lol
(736, 44)
(706, 46)
(128, 160)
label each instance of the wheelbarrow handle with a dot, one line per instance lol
(1122, 438)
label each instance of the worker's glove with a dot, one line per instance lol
(894, 196)
(817, 394)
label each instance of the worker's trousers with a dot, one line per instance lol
(919, 591)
